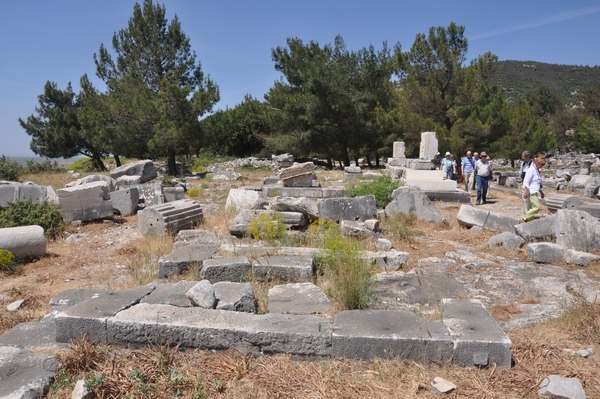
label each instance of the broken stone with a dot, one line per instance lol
(202, 295)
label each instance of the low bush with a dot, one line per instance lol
(82, 165)
(268, 227)
(27, 213)
(10, 170)
(45, 166)
(7, 260)
(343, 264)
(381, 187)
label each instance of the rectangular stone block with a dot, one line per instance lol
(89, 317)
(298, 335)
(310, 192)
(424, 175)
(9, 192)
(125, 200)
(85, 202)
(365, 334)
(150, 193)
(284, 268)
(236, 269)
(478, 339)
(430, 185)
(182, 257)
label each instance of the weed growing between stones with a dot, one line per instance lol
(583, 317)
(344, 266)
(381, 187)
(401, 227)
(26, 213)
(268, 227)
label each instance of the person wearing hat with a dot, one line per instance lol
(448, 166)
(483, 172)
(532, 188)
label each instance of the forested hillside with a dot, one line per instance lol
(518, 77)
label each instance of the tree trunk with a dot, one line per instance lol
(171, 163)
(117, 160)
(97, 162)
(330, 163)
(345, 156)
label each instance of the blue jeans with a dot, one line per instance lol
(482, 188)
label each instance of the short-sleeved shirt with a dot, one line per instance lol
(483, 169)
(468, 164)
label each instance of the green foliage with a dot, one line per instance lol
(267, 226)
(82, 165)
(587, 134)
(27, 213)
(10, 170)
(381, 187)
(7, 260)
(46, 166)
(344, 265)
(194, 192)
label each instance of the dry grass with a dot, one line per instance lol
(144, 256)
(33, 309)
(56, 180)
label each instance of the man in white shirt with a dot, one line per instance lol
(483, 171)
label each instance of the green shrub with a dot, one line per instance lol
(401, 226)
(7, 260)
(268, 227)
(27, 213)
(82, 165)
(345, 267)
(46, 166)
(381, 187)
(10, 170)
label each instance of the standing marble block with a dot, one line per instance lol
(429, 146)
(399, 148)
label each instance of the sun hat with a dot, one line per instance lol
(483, 154)
(448, 153)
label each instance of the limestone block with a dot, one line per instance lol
(171, 217)
(298, 170)
(563, 201)
(239, 200)
(383, 244)
(429, 146)
(297, 335)
(228, 174)
(237, 297)
(411, 199)
(173, 193)
(580, 258)
(89, 317)
(365, 334)
(124, 181)
(202, 294)
(506, 240)
(478, 339)
(578, 182)
(299, 181)
(24, 374)
(24, 241)
(470, 216)
(355, 228)
(541, 229)
(590, 190)
(125, 201)
(306, 206)
(145, 169)
(399, 149)
(545, 252)
(183, 257)
(555, 386)
(171, 294)
(110, 182)
(85, 202)
(150, 193)
(358, 208)
(284, 268)
(592, 209)
(298, 298)
(236, 269)
(309, 192)
(577, 230)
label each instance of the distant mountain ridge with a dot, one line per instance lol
(518, 77)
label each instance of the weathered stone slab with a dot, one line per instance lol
(85, 202)
(183, 257)
(506, 240)
(429, 146)
(25, 375)
(235, 269)
(125, 201)
(173, 193)
(109, 181)
(478, 339)
(298, 298)
(558, 387)
(170, 294)
(580, 258)
(17, 191)
(411, 199)
(298, 335)
(32, 335)
(171, 217)
(150, 193)
(358, 208)
(228, 174)
(237, 297)
(299, 181)
(89, 317)
(355, 228)
(24, 241)
(592, 209)
(284, 268)
(578, 182)
(365, 334)
(563, 201)
(541, 229)
(239, 200)
(577, 230)
(73, 296)
(309, 192)
(124, 181)
(470, 216)
(202, 294)
(145, 169)
(306, 206)
(449, 196)
(398, 149)
(545, 252)
(299, 170)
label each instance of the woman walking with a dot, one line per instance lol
(532, 188)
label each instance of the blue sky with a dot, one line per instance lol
(55, 40)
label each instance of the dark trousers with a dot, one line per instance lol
(482, 188)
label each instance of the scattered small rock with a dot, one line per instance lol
(442, 386)
(11, 307)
